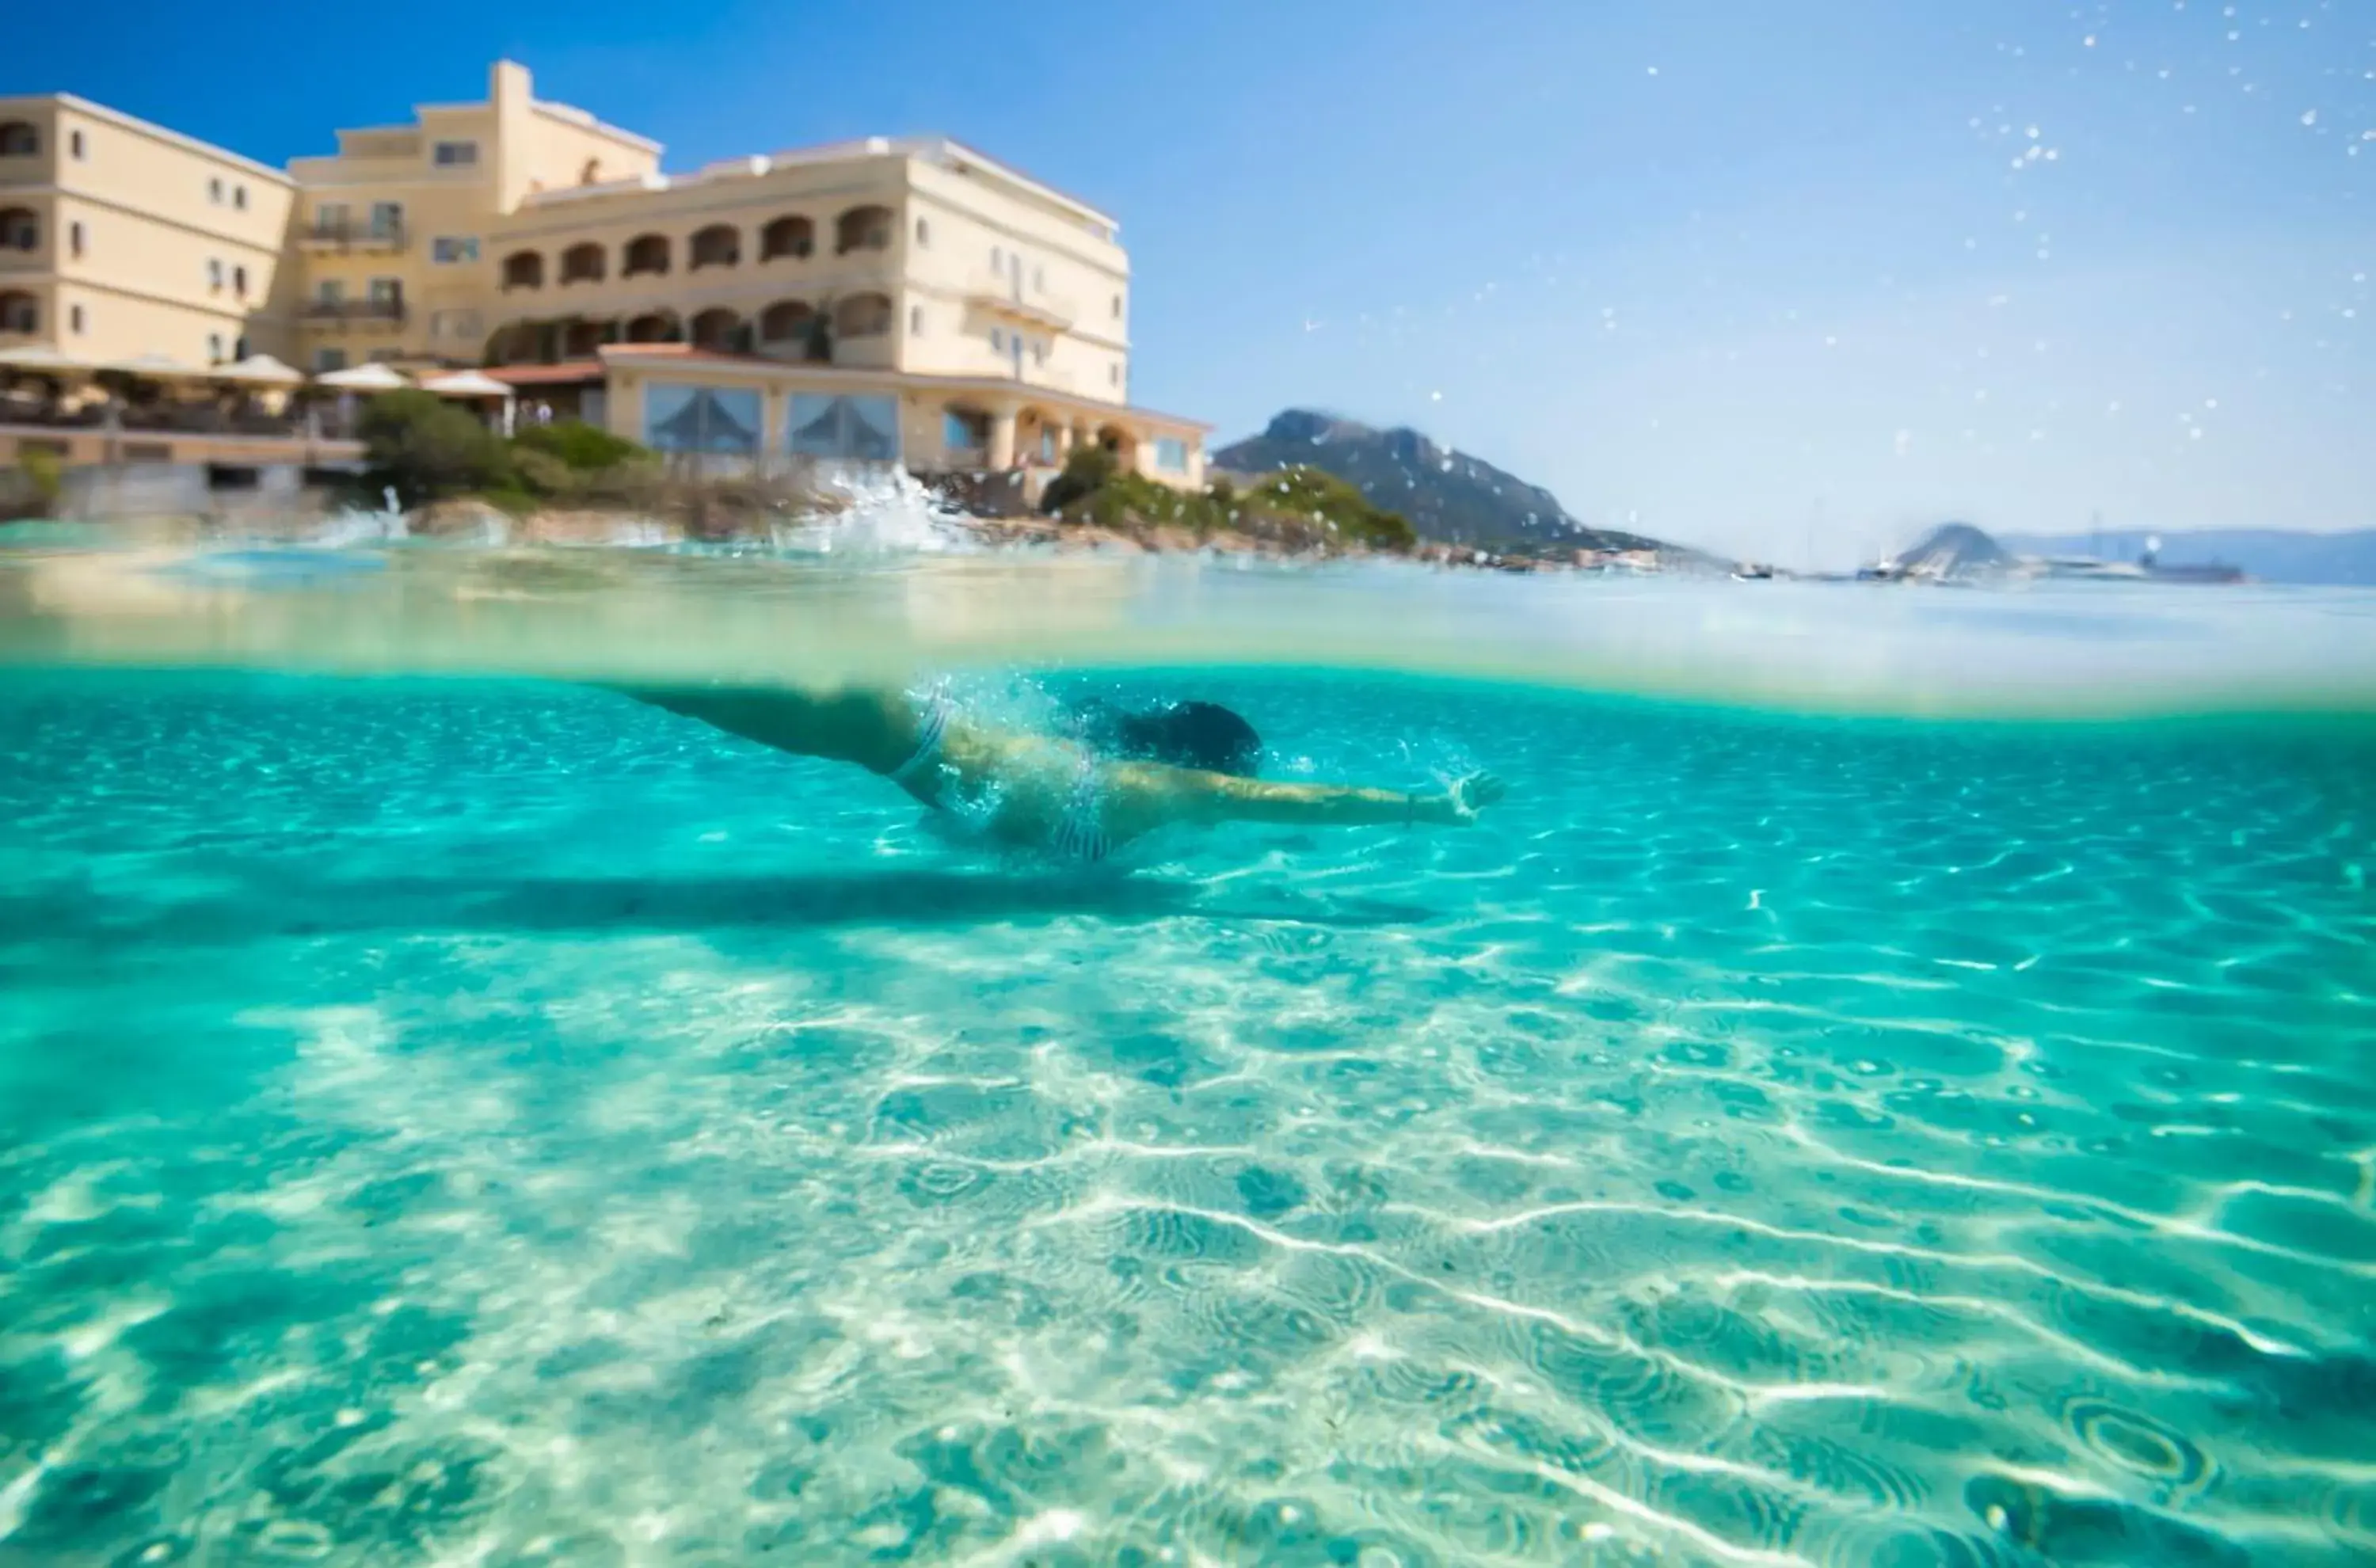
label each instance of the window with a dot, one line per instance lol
(1048, 444)
(386, 218)
(997, 259)
(454, 154)
(866, 429)
(448, 249)
(74, 237)
(1172, 454)
(214, 272)
(997, 340)
(329, 360)
(330, 218)
(74, 145)
(330, 291)
(239, 350)
(387, 291)
(915, 321)
(20, 139)
(74, 318)
(20, 228)
(923, 233)
(239, 197)
(685, 417)
(19, 313)
(214, 348)
(1113, 374)
(963, 430)
(454, 323)
(1117, 307)
(1040, 277)
(239, 281)
(214, 192)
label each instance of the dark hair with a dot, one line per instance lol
(1185, 734)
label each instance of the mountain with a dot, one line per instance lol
(2270, 555)
(1448, 496)
(1954, 550)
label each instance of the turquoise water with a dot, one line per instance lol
(487, 1122)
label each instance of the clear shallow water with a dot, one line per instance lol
(494, 1122)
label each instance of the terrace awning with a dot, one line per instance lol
(258, 370)
(466, 384)
(369, 376)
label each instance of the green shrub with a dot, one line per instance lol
(1331, 502)
(427, 448)
(1301, 508)
(586, 448)
(1089, 469)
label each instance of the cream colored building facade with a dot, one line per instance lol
(902, 297)
(120, 239)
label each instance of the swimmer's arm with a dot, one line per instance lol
(1218, 797)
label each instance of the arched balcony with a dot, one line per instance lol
(791, 236)
(862, 315)
(653, 327)
(523, 269)
(862, 229)
(645, 253)
(19, 312)
(721, 244)
(519, 342)
(790, 328)
(579, 339)
(19, 138)
(20, 228)
(717, 328)
(583, 263)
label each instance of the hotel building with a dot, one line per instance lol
(892, 300)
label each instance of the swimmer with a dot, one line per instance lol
(1124, 775)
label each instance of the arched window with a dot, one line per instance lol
(923, 234)
(862, 315)
(579, 339)
(716, 328)
(646, 253)
(791, 235)
(19, 138)
(862, 229)
(653, 327)
(19, 312)
(583, 263)
(721, 244)
(19, 229)
(786, 321)
(523, 269)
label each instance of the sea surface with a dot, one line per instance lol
(1894, 1082)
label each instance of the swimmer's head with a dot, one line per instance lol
(1184, 734)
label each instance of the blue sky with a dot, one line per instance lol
(1790, 278)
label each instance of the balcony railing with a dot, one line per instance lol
(371, 311)
(1007, 295)
(175, 419)
(348, 237)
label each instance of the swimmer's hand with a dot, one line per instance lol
(1458, 806)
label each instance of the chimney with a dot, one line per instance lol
(511, 97)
